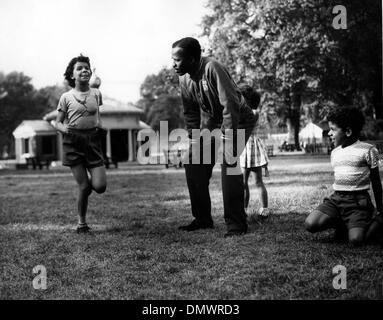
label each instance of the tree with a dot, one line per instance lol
(359, 69)
(166, 108)
(161, 99)
(23, 102)
(277, 45)
(49, 96)
(155, 85)
(290, 51)
(16, 106)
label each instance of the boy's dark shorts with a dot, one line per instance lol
(83, 146)
(355, 208)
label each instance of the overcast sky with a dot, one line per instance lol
(125, 39)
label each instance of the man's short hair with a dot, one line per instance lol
(347, 117)
(191, 47)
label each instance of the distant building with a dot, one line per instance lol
(35, 140)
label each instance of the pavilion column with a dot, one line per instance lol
(59, 144)
(18, 149)
(130, 143)
(108, 145)
(134, 134)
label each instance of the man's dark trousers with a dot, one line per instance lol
(198, 178)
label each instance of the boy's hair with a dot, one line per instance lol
(251, 96)
(69, 69)
(347, 117)
(191, 47)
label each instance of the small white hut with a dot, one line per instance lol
(311, 134)
(35, 140)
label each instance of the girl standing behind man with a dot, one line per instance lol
(254, 156)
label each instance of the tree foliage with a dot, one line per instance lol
(161, 99)
(166, 108)
(289, 50)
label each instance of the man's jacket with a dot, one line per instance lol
(214, 91)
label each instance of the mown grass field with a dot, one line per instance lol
(137, 252)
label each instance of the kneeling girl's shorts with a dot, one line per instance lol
(355, 208)
(82, 146)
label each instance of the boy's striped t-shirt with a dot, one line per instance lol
(352, 166)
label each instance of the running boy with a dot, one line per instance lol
(78, 120)
(355, 165)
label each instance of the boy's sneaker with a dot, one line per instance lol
(83, 228)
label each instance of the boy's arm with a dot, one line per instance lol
(59, 123)
(377, 189)
(62, 109)
(374, 229)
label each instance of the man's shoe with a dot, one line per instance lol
(234, 233)
(195, 225)
(83, 228)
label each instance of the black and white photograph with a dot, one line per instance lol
(194, 157)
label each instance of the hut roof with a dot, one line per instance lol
(30, 128)
(311, 130)
(144, 125)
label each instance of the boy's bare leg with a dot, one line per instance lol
(356, 236)
(375, 230)
(98, 179)
(319, 221)
(81, 176)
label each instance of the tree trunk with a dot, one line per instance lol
(296, 133)
(377, 100)
(290, 130)
(296, 116)
(293, 126)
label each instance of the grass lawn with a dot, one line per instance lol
(136, 251)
